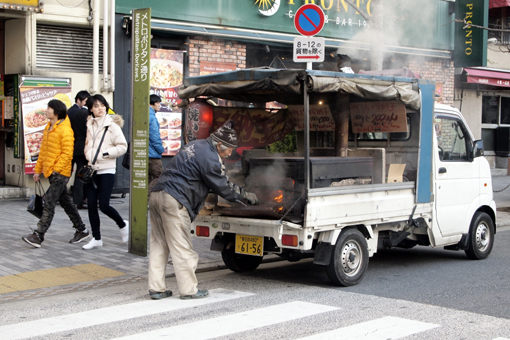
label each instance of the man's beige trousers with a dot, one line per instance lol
(170, 233)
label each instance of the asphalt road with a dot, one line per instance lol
(407, 294)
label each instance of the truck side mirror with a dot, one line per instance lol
(477, 148)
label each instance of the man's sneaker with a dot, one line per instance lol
(93, 244)
(200, 294)
(79, 236)
(160, 295)
(124, 232)
(33, 239)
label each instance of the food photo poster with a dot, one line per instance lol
(166, 77)
(34, 101)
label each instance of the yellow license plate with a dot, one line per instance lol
(249, 245)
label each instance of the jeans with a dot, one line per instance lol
(102, 191)
(57, 192)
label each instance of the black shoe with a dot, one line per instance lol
(160, 295)
(79, 236)
(35, 239)
(82, 207)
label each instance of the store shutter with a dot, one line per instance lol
(66, 48)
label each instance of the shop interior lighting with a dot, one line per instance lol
(267, 49)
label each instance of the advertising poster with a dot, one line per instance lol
(34, 101)
(166, 77)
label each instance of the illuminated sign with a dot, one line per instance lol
(23, 5)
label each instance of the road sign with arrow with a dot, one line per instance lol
(308, 50)
(309, 21)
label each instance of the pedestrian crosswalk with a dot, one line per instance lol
(226, 325)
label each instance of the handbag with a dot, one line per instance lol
(126, 161)
(36, 203)
(86, 173)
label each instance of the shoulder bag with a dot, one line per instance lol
(86, 173)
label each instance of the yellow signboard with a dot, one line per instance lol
(33, 3)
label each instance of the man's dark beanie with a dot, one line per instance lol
(226, 135)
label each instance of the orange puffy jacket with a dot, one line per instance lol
(57, 148)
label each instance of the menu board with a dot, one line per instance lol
(166, 77)
(382, 116)
(320, 117)
(34, 101)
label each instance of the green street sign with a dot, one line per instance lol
(471, 42)
(139, 167)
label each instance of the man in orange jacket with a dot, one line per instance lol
(54, 162)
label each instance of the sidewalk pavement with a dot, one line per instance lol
(56, 252)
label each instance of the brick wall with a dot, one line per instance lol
(435, 70)
(214, 50)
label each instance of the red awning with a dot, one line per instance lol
(498, 3)
(486, 77)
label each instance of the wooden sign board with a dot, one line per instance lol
(320, 117)
(378, 117)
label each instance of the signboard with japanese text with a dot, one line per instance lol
(378, 117)
(320, 117)
(141, 75)
(34, 101)
(165, 78)
(307, 50)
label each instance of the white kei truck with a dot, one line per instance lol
(410, 174)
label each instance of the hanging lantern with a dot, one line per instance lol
(199, 118)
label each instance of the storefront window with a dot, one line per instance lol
(505, 110)
(490, 109)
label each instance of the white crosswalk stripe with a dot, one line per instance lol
(229, 325)
(380, 329)
(111, 314)
(240, 322)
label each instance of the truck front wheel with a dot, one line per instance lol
(481, 237)
(238, 262)
(349, 259)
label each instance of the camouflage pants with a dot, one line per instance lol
(57, 192)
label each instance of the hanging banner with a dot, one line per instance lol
(34, 101)
(378, 117)
(320, 117)
(254, 127)
(166, 77)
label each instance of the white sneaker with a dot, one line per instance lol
(124, 232)
(93, 244)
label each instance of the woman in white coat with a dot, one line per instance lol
(114, 145)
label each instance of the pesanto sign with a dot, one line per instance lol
(471, 42)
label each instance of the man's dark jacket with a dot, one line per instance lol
(79, 124)
(192, 172)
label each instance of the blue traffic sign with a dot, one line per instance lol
(309, 20)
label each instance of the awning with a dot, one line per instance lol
(486, 76)
(261, 36)
(499, 3)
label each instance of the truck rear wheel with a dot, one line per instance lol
(238, 262)
(349, 259)
(481, 237)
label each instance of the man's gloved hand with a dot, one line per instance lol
(251, 197)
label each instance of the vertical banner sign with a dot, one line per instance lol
(471, 42)
(16, 116)
(166, 77)
(141, 51)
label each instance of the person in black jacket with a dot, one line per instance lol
(78, 115)
(175, 202)
(79, 102)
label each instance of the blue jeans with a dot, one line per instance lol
(102, 192)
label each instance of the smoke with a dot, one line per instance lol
(409, 23)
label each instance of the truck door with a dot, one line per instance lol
(456, 175)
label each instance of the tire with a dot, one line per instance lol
(349, 259)
(481, 237)
(238, 262)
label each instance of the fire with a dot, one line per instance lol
(279, 198)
